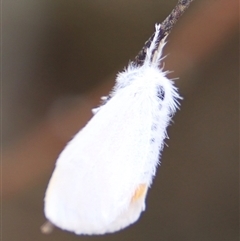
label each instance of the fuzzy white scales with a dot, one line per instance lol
(101, 178)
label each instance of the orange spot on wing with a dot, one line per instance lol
(139, 192)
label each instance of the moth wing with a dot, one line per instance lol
(98, 172)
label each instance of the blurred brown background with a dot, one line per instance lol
(59, 57)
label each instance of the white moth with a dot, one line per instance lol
(101, 178)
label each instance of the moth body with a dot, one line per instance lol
(102, 176)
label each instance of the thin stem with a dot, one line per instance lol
(173, 17)
(165, 29)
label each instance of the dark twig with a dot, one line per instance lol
(165, 29)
